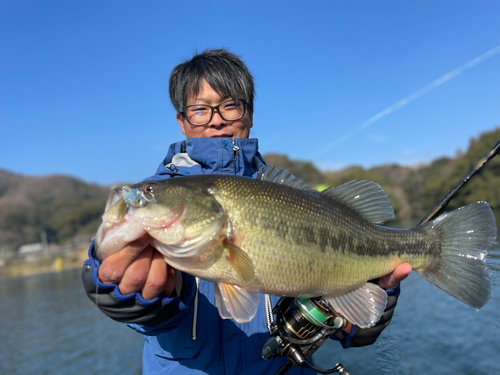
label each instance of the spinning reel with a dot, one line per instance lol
(300, 328)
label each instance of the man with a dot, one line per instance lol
(184, 334)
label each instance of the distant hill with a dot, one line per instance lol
(65, 207)
(482, 187)
(303, 169)
(61, 206)
(415, 190)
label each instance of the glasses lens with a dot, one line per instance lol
(229, 110)
(232, 110)
(198, 114)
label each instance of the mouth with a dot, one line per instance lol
(221, 136)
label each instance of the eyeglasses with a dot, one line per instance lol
(201, 114)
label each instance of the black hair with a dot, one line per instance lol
(224, 71)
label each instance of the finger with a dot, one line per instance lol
(114, 266)
(157, 277)
(393, 279)
(171, 281)
(136, 274)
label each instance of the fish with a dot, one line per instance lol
(275, 235)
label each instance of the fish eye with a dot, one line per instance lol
(150, 188)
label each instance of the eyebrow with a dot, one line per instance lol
(206, 101)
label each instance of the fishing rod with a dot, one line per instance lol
(448, 197)
(302, 325)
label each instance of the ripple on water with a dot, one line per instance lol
(388, 355)
(54, 329)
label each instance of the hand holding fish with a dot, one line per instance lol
(138, 267)
(392, 280)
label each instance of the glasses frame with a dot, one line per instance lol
(183, 110)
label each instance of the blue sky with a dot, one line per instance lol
(83, 84)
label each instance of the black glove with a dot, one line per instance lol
(132, 308)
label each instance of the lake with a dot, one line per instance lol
(50, 327)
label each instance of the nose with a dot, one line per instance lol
(217, 119)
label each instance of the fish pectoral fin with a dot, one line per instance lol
(363, 306)
(240, 261)
(235, 302)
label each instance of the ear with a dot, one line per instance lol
(180, 120)
(250, 117)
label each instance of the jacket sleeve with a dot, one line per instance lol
(366, 336)
(132, 308)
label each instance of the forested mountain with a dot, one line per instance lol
(61, 206)
(416, 190)
(482, 187)
(65, 207)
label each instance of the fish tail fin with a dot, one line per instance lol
(467, 235)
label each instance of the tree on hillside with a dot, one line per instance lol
(484, 186)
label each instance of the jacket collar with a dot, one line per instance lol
(212, 155)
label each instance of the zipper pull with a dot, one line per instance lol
(236, 150)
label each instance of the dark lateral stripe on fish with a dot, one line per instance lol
(325, 239)
(414, 245)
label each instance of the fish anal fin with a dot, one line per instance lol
(363, 306)
(240, 261)
(235, 302)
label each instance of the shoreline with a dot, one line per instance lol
(22, 268)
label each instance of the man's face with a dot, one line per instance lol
(217, 127)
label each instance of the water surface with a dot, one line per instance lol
(50, 327)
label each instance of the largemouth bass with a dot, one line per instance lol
(281, 238)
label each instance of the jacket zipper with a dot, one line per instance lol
(236, 150)
(194, 326)
(269, 311)
(268, 304)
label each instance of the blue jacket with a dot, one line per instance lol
(184, 334)
(195, 340)
(202, 342)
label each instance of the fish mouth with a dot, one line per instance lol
(113, 237)
(117, 231)
(114, 195)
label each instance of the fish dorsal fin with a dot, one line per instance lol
(363, 306)
(283, 177)
(365, 197)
